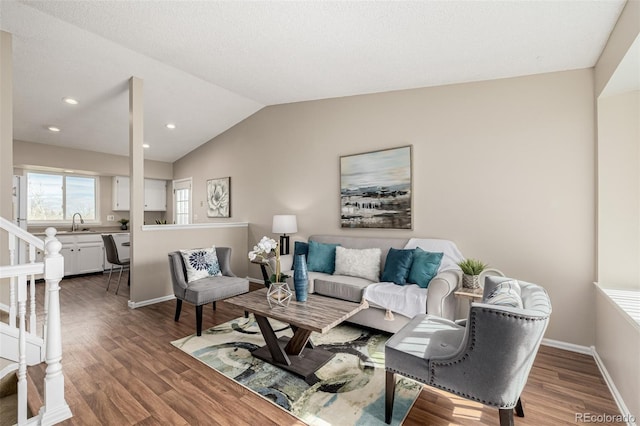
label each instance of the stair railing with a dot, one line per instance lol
(55, 409)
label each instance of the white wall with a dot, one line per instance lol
(504, 168)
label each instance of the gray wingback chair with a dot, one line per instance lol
(205, 290)
(487, 360)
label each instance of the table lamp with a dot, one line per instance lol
(284, 224)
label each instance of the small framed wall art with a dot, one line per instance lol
(376, 189)
(219, 197)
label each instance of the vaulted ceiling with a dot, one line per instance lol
(208, 65)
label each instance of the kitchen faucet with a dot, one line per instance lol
(74, 227)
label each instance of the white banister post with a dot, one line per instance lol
(12, 282)
(22, 350)
(50, 236)
(32, 289)
(55, 408)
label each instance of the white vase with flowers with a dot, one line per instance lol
(279, 291)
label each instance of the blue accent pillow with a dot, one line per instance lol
(300, 247)
(322, 257)
(425, 267)
(397, 266)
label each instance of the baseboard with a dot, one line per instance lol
(591, 350)
(255, 280)
(628, 417)
(134, 305)
(568, 346)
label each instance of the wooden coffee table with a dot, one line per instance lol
(296, 354)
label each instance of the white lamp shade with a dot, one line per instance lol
(284, 224)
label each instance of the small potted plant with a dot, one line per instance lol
(471, 269)
(123, 224)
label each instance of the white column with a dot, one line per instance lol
(136, 170)
(55, 408)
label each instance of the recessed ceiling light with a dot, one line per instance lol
(70, 101)
(171, 126)
(145, 145)
(53, 128)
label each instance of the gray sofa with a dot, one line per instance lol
(440, 299)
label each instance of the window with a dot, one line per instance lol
(182, 201)
(56, 197)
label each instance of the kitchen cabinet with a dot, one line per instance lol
(155, 194)
(83, 253)
(120, 193)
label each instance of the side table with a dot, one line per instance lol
(471, 294)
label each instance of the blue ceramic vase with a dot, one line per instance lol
(300, 277)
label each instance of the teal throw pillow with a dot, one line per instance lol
(322, 257)
(424, 268)
(300, 247)
(397, 266)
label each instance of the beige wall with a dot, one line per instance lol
(619, 191)
(151, 274)
(35, 154)
(6, 148)
(504, 168)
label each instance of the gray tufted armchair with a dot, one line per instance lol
(487, 360)
(205, 290)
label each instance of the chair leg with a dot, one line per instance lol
(506, 416)
(390, 389)
(199, 320)
(519, 409)
(246, 314)
(178, 309)
(119, 276)
(109, 280)
(214, 305)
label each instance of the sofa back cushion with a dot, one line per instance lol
(397, 266)
(424, 267)
(384, 244)
(322, 257)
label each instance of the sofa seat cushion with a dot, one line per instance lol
(210, 289)
(341, 287)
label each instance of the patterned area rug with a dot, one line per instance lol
(350, 387)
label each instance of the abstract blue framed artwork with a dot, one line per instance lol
(376, 189)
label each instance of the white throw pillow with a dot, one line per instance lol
(362, 263)
(507, 293)
(201, 263)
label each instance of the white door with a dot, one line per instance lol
(182, 201)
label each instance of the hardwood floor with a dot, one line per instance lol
(120, 369)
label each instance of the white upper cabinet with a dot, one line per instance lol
(120, 193)
(155, 194)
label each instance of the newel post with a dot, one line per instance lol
(55, 408)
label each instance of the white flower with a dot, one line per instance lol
(252, 255)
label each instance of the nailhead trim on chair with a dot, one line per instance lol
(473, 321)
